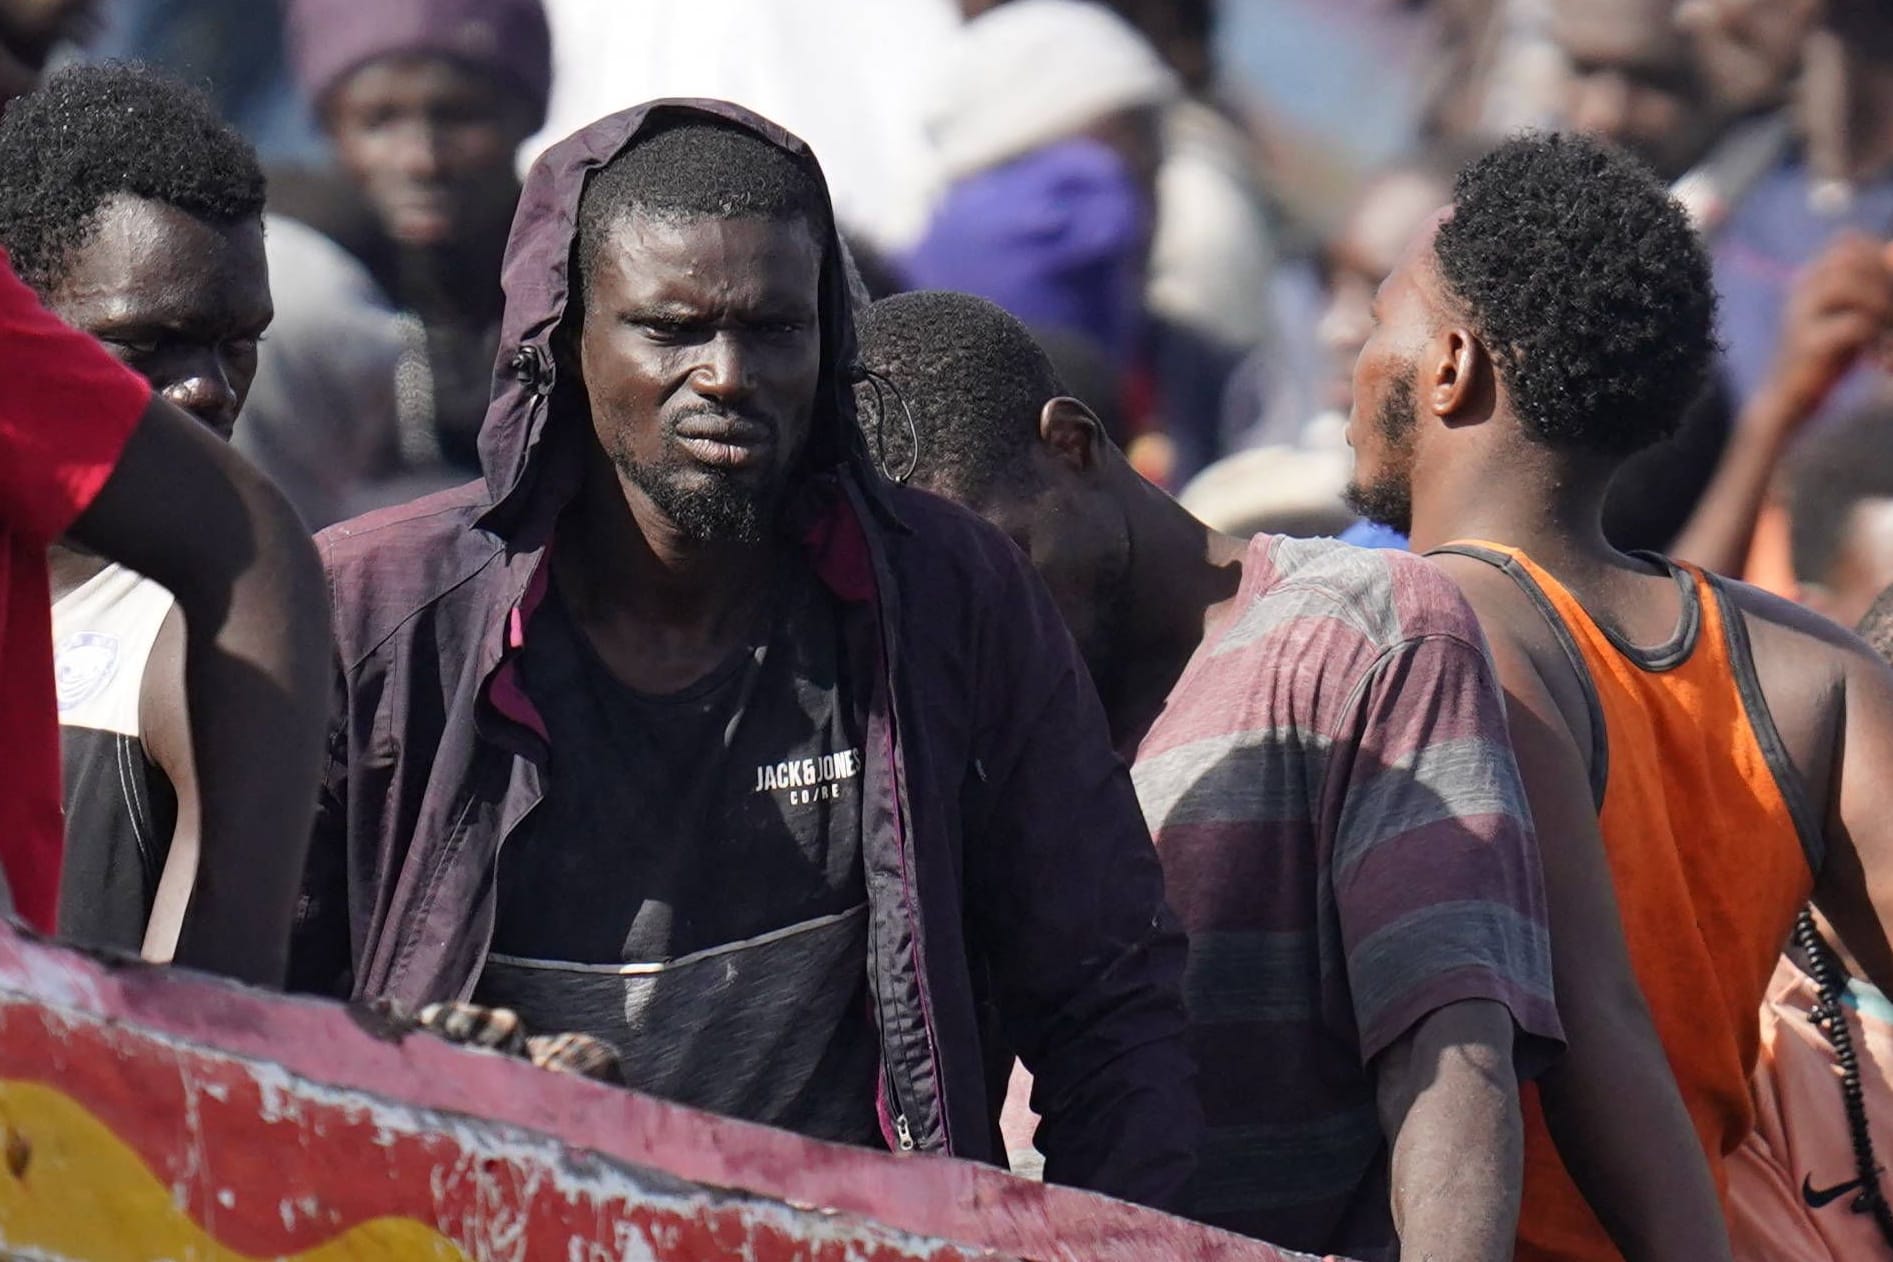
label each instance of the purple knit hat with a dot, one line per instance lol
(1056, 237)
(330, 39)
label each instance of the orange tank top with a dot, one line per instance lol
(1712, 849)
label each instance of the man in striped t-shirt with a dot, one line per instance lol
(1321, 752)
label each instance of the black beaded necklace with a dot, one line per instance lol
(1831, 1016)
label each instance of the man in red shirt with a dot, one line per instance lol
(86, 451)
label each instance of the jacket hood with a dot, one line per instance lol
(531, 469)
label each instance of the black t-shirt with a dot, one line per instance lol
(672, 824)
(690, 887)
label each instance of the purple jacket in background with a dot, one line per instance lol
(1057, 237)
(1010, 876)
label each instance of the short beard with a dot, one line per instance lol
(1388, 499)
(726, 510)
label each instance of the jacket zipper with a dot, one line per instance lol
(890, 1063)
(897, 1107)
(903, 1131)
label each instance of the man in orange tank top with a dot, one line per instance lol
(1555, 319)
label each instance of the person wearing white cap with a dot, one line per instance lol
(1063, 203)
(1028, 73)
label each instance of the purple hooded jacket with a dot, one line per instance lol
(1011, 880)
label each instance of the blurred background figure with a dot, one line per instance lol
(1837, 175)
(1095, 184)
(1747, 56)
(1047, 129)
(1833, 328)
(1840, 501)
(1492, 67)
(233, 49)
(1213, 250)
(387, 260)
(32, 30)
(1633, 79)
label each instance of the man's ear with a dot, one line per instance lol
(1459, 381)
(1072, 433)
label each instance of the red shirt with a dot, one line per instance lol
(66, 409)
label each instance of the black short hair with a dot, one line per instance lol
(973, 380)
(90, 133)
(1876, 626)
(691, 167)
(1846, 461)
(1585, 280)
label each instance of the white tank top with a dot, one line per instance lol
(103, 633)
(120, 809)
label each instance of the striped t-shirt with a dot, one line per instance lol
(1344, 835)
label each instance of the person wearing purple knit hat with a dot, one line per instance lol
(425, 104)
(1057, 237)
(1046, 125)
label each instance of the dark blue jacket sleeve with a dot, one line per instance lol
(1066, 896)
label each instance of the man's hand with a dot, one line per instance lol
(1449, 1107)
(1840, 309)
(500, 1030)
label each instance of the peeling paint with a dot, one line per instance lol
(241, 1126)
(47, 975)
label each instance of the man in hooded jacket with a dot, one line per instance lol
(660, 729)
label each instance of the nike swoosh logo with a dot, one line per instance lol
(1821, 1199)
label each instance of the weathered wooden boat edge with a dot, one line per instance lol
(143, 1106)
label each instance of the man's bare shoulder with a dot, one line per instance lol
(1795, 628)
(1807, 668)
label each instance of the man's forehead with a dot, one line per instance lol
(155, 258)
(703, 246)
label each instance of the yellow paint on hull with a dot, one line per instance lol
(70, 1189)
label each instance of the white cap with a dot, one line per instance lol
(1024, 74)
(1281, 490)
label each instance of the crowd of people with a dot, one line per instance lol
(911, 692)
